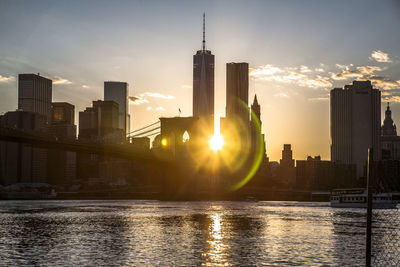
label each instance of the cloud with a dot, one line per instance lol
(59, 80)
(160, 108)
(384, 83)
(358, 73)
(283, 95)
(304, 69)
(319, 99)
(265, 70)
(149, 108)
(85, 86)
(158, 95)
(363, 73)
(4, 79)
(186, 86)
(390, 95)
(137, 100)
(380, 56)
(300, 76)
(142, 98)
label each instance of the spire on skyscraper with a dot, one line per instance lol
(255, 102)
(204, 32)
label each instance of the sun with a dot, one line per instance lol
(216, 142)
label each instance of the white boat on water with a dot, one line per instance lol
(357, 198)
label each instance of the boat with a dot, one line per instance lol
(357, 198)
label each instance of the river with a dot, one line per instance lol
(155, 233)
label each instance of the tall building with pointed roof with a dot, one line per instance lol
(255, 107)
(203, 82)
(388, 128)
(389, 139)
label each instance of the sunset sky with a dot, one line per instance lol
(297, 51)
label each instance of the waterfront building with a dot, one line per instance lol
(314, 174)
(119, 93)
(390, 142)
(355, 124)
(35, 94)
(203, 83)
(20, 162)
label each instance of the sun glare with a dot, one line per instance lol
(216, 142)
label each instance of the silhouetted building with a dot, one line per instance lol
(355, 124)
(258, 142)
(203, 83)
(63, 120)
(287, 172)
(20, 162)
(314, 174)
(35, 94)
(237, 91)
(388, 128)
(388, 178)
(100, 122)
(61, 164)
(390, 142)
(119, 93)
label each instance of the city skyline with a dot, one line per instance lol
(287, 86)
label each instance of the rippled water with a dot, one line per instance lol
(144, 233)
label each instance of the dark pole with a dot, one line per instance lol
(369, 207)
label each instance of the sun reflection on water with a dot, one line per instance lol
(217, 249)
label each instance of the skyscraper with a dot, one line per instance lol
(355, 124)
(100, 121)
(34, 94)
(119, 92)
(61, 164)
(237, 91)
(203, 82)
(287, 171)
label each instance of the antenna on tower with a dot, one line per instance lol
(204, 32)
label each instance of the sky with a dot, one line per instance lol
(297, 52)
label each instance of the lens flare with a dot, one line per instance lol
(164, 142)
(216, 142)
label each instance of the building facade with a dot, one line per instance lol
(355, 124)
(35, 94)
(119, 93)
